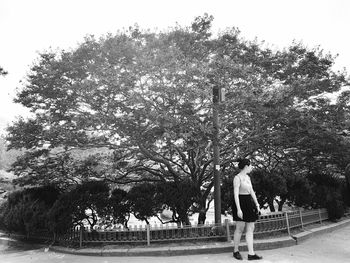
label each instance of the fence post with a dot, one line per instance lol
(148, 235)
(81, 236)
(301, 218)
(227, 230)
(319, 214)
(287, 221)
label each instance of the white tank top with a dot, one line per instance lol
(245, 185)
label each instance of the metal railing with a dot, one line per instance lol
(267, 225)
(278, 222)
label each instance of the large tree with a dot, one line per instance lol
(147, 98)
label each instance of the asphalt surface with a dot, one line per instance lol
(327, 247)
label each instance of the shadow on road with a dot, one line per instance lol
(8, 245)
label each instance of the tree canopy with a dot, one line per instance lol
(145, 99)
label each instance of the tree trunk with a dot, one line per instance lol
(201, 217)
(271, 205)
(184, 218)
(281, 203)
(185, 221)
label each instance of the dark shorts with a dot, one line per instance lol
(249, 210)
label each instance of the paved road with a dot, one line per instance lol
(331, 247)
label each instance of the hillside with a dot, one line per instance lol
(6, 184)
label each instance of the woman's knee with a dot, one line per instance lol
(240, 227)
(250, 227)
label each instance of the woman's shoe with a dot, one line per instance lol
(254, 257)
(237, 255)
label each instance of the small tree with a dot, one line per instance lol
(120, 207)
(268, 185)
(143, 201)
(179, 197)
(87, 202)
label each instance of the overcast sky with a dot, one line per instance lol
(32, 26)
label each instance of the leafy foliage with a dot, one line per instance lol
(179, 197)
(64, 169)
(121, 207)
(26, 211)
(143, 202)
(327, 193)
(7, 158)
(145, 99)
(86, 202)
(270, 185)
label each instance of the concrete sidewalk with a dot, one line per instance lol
(210, 248)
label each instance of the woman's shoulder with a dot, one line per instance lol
(237, 178)
(238, 175)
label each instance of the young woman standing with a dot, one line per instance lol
(245, 209)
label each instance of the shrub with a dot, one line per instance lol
(120, 207)
(335, 207)
(143, 202)
(85, 203)
(26, 211)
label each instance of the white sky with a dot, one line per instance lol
(32, 26)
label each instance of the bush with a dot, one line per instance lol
(120, 207)
(26, 211)
(4, 209)
(335, 207)
(325, 188)
(86, 202)
(60, 216)
(143, 203)
(345, 191)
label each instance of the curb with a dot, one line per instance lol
(308, 233)
(215, 248)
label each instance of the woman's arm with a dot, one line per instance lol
(252, 193)
(236, 185)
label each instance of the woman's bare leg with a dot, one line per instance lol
(238, 234)
(249, 238)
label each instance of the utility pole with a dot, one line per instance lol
(217, 97)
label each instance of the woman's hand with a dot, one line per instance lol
(258, 209)
(240, 214)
